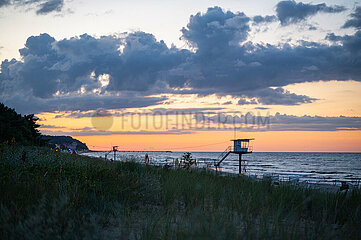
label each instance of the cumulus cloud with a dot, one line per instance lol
(42, 7)
(247, 69)
(85, 72)
(289, 12)
(69, 74)
(216, 28)
(355, 20)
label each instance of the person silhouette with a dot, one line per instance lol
(146, 159)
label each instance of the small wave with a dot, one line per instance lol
(325, 172)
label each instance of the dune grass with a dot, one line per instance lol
(52, 195)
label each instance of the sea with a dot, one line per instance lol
(323, 168)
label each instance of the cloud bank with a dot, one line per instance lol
(217, 122)
(282, 122)
(133, 69)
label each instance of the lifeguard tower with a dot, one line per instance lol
(240, 146)
(115, 150)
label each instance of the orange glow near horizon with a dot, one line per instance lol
(281, 141)
(335, 98)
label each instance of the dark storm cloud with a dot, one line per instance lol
(289, 12)
(42, 7)
(86, 73)
(355, 20)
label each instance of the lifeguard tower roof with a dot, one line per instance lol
(243, 139)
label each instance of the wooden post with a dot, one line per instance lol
(240, 163)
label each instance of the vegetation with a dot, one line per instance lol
(64, 142)
(17, 128)
(23, 130)
(53, 195)
(188, 161)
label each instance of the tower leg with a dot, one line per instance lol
(240, 163)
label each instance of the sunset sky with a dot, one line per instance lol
(186, 75)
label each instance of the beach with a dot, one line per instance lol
(301, 168)
(60, 195)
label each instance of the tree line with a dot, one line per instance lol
(17, 128)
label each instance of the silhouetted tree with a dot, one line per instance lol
(22, 129)
(33, 126)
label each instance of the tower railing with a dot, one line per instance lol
(229, 148)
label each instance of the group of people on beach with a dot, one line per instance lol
(176, 161)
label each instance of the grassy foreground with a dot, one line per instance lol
(50, 195)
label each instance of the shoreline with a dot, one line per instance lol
(302, 184)
(332, 185)
(315, 186)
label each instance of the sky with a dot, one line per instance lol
(186, 75)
